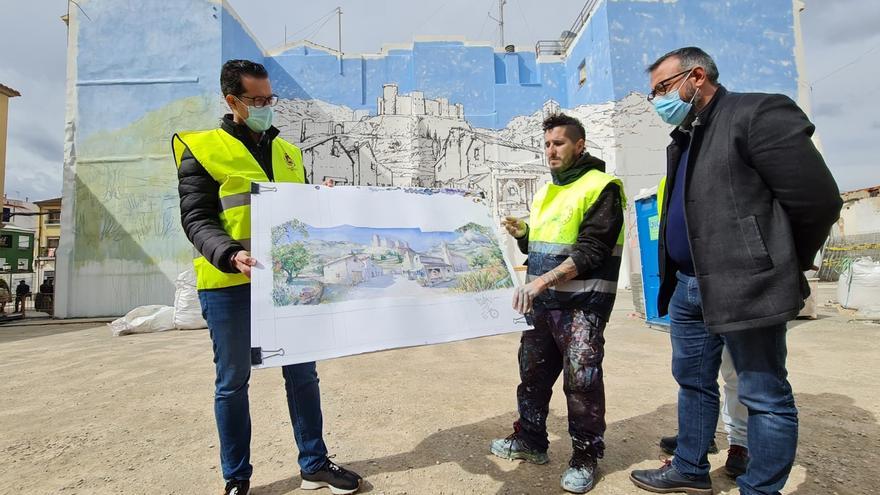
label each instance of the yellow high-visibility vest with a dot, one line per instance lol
(661, 194)
(230, 163)
(554, 224)
(557, 211)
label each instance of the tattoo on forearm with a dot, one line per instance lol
(562, 273)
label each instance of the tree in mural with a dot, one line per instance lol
(480, 261)
(475, 227)
(293, 257)
(286, 230)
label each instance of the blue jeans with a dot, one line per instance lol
(759, 358)
(228, 314)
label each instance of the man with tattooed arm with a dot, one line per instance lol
(574, 242)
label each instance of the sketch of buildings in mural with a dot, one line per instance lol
(434, 269)
(351, 269)
(415, 104)
(458, 263)
(384, 242)
(415, 141)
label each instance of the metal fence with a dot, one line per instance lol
(841, 251)
(35, 304)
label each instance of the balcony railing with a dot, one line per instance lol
(47, 252)
(560, 46)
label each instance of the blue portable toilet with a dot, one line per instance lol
(648, 224)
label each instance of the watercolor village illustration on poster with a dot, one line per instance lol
(327, 265)
(354, 269)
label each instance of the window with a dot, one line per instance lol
(54, 218)
(476, 153)
(24, 265)
(582, 73)
(48, 250)
(6, 241)
(24, 242)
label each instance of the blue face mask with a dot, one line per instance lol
(259, 119)
(671, 108)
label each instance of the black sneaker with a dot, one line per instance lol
(237, 487)
(668, 445)
(341, 481)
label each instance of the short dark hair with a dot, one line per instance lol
(573, 127)
(233, 70)
(690, 57)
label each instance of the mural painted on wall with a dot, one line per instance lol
(127, 204)
(411, 140)
(434, 113)
(344, 263)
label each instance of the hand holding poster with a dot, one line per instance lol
(349, 270)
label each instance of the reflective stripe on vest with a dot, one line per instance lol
(228, 161)
(554, 225)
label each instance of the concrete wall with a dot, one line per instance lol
(860, 214)
(492, 87)
(137, 74)
(4, 121)
(752, 41)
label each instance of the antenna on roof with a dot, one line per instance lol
(500, 20)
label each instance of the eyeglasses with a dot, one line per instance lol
(260, 101)
(662, 87)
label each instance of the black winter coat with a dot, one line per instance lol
(759, 203)
(200, 197)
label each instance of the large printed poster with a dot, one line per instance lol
(348, 270)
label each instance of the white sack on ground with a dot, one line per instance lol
(859, 286)
(144, 319)
(187, 309)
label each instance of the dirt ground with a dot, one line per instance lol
(86, 413)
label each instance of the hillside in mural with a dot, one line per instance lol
(127, 203)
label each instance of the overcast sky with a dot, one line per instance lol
(841, 37)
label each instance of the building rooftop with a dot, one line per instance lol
(6, 90)
(15, 228)
(49, 202)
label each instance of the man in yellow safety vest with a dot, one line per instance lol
(216, 169)
(574, 240)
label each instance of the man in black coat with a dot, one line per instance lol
(749, 203)
(22, 292)
(244, 150)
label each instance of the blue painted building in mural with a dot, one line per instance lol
(137, 74)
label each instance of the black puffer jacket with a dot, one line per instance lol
(200, 197)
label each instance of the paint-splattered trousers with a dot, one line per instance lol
(570, 341)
